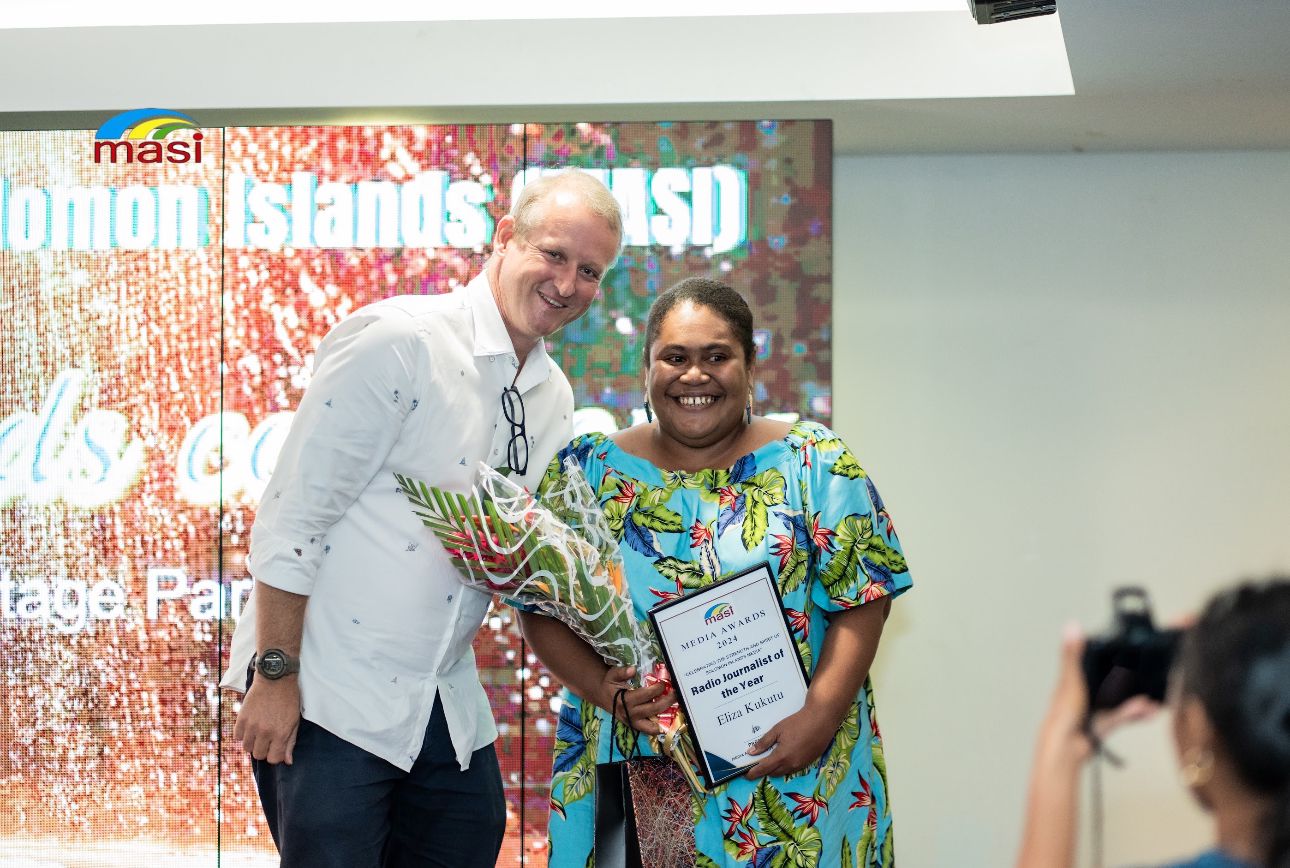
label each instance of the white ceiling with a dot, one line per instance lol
(95, 13)
(1147, 74)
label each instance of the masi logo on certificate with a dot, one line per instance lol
(731, 654)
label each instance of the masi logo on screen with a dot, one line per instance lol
(141, 136)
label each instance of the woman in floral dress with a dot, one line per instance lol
(703, 490)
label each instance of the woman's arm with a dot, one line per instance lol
(850, 643)
(577, 666)
(1052, 807)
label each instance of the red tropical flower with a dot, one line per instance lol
(784, 546)
(806, 451)
(726, 497)
(808, 806)
(700, 533)
(799, 622)
(890, 525)
(736, 816)
(748, 846)
(666, 596)
(864, 797)
(873, 591)
(822, 537)
(626, 492)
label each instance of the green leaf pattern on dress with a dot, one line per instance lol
(803, 504)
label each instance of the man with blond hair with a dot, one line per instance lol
(370, 735)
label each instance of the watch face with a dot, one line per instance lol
(273, 664)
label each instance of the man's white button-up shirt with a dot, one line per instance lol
(408, 385)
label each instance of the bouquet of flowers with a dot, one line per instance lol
(557, 555)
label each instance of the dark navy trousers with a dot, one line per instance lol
(338, 806)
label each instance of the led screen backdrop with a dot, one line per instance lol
(159, 320)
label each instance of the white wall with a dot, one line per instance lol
(1065, 373)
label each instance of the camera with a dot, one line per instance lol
(1133, 658)
(994, 11)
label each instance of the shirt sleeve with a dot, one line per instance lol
(364, 385)
(857, 556)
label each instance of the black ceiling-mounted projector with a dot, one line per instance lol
(986, 12)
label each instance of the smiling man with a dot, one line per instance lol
(370, 735)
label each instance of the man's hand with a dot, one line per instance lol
(270, 718)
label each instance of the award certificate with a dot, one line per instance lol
(734, 666)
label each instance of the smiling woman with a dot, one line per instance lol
(699, 361)
(704, 490)
(699, 352)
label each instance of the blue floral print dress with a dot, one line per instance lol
(804, 505)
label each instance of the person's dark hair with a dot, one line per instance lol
(1236, 661)
(704, 292)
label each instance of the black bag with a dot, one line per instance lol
(616, 844)
(666, 796)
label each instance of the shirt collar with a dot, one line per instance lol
(492, 339)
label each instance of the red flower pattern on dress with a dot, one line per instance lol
(799, 621)
(748, 845)
(726, 497)
(626, 492)
(891, 525)
(864, 799)
(783, 548)
(873, 591)
(666, 596)
(700, 533)
(736, 815)
(808, 806)
(821, 537)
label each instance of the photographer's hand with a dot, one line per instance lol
(1064, 744)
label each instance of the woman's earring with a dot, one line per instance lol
(1198, 767)
(748, 410)
(649, 414)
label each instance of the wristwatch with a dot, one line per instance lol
(275, 663)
